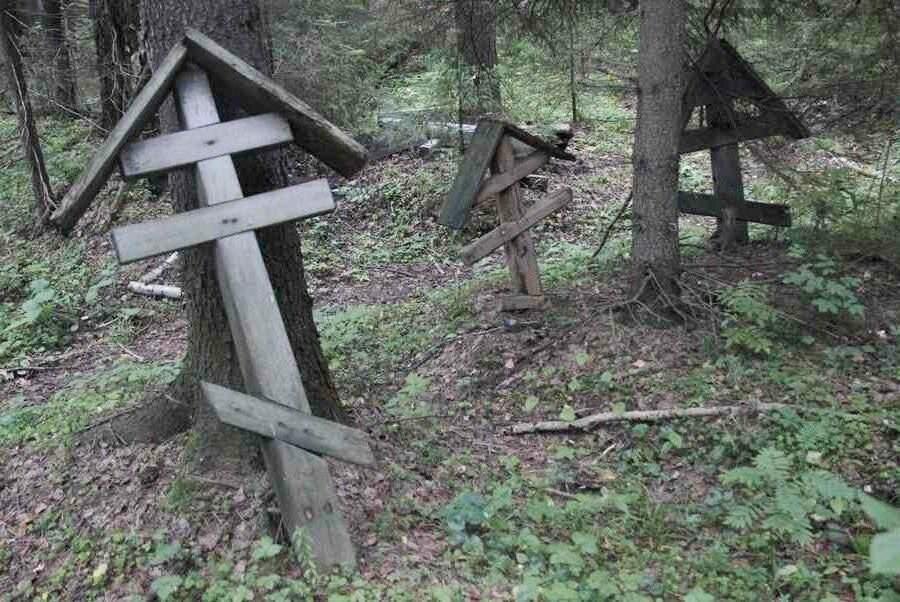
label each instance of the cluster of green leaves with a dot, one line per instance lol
(827, 291)
(750, 320)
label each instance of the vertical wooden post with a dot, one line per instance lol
(728, 185)
(303, 485)
(520, 256)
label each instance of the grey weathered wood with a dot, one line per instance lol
(79, 197)
(758, 213)
(522, 302)
(521, 258)
(495, 239)
(475, 165)
(302, 483)
(498, 183)
(281, 422)
(139, 241)
(536, 142)
(256, 92)
(728, 184)
(190, 146)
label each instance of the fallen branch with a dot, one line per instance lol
(155, 290)
(612, 224)
(588, 422)
(158, 271)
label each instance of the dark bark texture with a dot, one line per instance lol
(63, 91)
(661, 85)
(116, 27)
(237, 25)
(476, 39)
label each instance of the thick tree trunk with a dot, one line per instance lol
(655, 251)
(476, 40)
(31, 144)
(236, 24)
(62, 89)
(116, 27)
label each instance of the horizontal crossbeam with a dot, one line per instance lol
(757, 213)
(165, 153)
(276, 421)
(712, 137)
(522, 302)
(139, 241)
(507, 231)
(500, 182)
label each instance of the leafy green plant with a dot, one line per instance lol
(884, 551)
(827, 291)
(750, 321)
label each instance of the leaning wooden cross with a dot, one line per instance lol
(739, 106)
(275, 404)
(492, 149)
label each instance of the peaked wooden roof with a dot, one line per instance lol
(252, 89)
(477, 162)
(721, 76)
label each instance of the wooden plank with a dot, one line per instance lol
(711, 137)
(79, 197)
(475, 165)
(277, 421)
(520, 256)
(536, 142)
(728, 184)
(256, 92)
(302, 483)
(758, 213)
(139, 241)
(190, 146)
(522, 302)
(523, 168)
(507, 231)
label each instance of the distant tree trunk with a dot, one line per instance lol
(31, 144)
(116, 27)
(476, 40)
(236, 24)
(62, 89)
(661, 80)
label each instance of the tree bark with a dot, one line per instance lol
(116, 27)
(236, 24)
(63, 91)
(661, 80)
(476, 40)
(31, 144)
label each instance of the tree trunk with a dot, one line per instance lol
(211, 356)
(661, 80)
(31, 144)
(116, 27)
(476, 40)
(62, 89)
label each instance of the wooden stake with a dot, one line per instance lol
(728, 185)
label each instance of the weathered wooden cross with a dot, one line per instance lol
(275, 404)
(739, 107)
(492, 149)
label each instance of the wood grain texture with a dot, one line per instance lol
(475, 164)
(759, 213)
(256, 92)
(525, 167)
(520, 256)
(728, 184)
(536, 142)
(277, 421)
(507, 231)
(176, 150)
(302, 483)
(139, 241)
(79, 197)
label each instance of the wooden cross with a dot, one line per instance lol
(275, 404)
(492, 148)
(722, 77)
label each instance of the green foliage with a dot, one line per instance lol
(829, 293)
(408, 401)
(884, 551)
(74, 406)
(750, 320)
(777, 500)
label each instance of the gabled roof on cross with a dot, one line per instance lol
(721, 76)
(250, 88)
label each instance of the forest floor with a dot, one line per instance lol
(749, 506)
